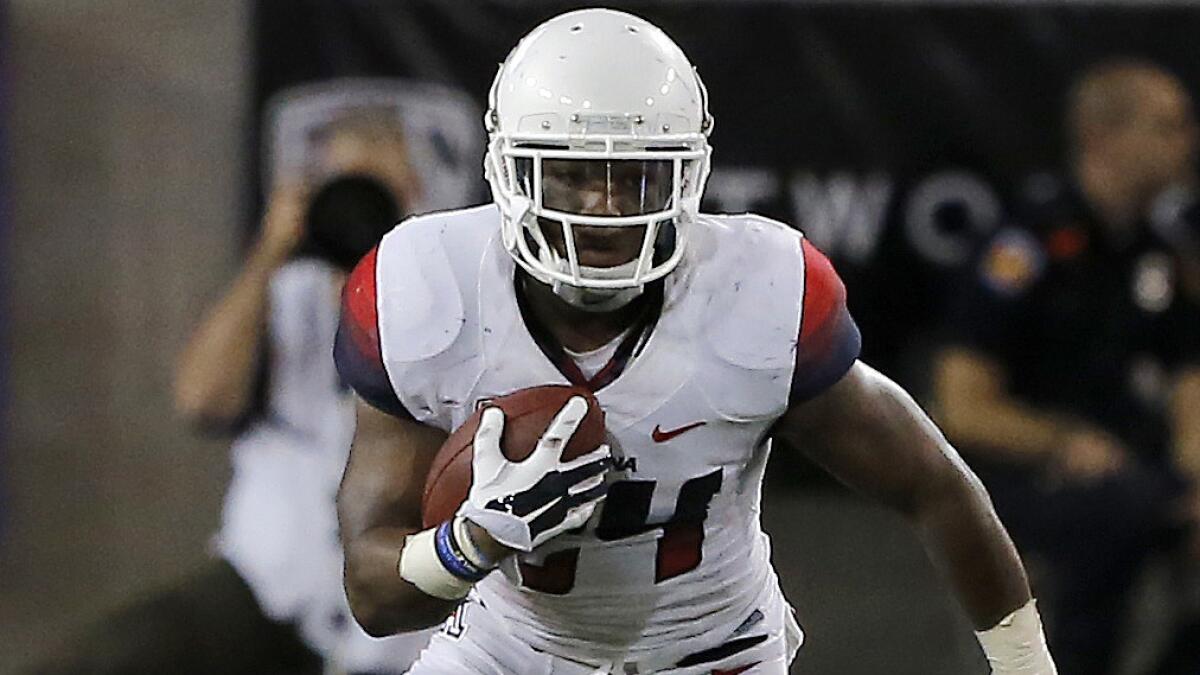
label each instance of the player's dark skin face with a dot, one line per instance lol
(596, 189)
(597, 246)
(599, 188)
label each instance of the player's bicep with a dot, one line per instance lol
(871, 435)
(385, 474)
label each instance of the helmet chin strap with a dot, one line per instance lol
(587, 299)
(595, 299)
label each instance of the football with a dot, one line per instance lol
(527, 414)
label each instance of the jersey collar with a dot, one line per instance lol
(629, 347)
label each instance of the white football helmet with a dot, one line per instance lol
(607, 97)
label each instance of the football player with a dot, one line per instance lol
(703, 337)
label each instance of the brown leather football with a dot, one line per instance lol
(527, 413)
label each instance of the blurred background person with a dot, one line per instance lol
(259, 363)
(1071, 379)
(258, 368)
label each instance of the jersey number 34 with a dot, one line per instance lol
(626, 512)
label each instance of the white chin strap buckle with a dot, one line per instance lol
(596, 299)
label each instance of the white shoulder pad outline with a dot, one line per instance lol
(419, 302)
(756, 282)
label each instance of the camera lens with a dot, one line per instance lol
(347, 216)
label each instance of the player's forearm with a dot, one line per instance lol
(399, 580)
(967, 542)
(379, 509)
(384, 603)
(871, 435)
(214, 378)
(969, 545)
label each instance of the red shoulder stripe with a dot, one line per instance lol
(829, 340)
(359, 302)
(824, 294)
(356, 350)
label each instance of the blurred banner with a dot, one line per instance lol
(893, 135)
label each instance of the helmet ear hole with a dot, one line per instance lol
(664, 242)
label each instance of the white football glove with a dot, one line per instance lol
(522, 504)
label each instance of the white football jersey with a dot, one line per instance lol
(676, 549)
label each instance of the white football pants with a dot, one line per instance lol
(475, 641)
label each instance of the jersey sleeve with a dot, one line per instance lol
(356, 349)
(829, 340)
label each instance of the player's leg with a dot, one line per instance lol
(474, 641)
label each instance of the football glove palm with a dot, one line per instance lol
(523, 504)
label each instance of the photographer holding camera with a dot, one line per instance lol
(363, 177)
(258, 368)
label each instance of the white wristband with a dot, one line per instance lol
(421, 567)
(1017, 644)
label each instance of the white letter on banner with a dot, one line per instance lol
(923, 222)
(740, 189)
(843, 215)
